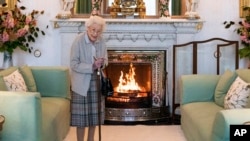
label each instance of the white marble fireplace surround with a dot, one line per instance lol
(134, 34)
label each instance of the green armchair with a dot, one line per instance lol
(202, 118)
(43, 115)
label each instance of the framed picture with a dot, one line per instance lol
(243, 3)
(10, 4)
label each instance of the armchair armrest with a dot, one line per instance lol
(225, 118)
(52, 81)
(197, 88)
(22, 112)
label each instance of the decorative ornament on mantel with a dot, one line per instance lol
(16, 31)
(96, 6)
(66, 7)
(191, 6)
(164, 8)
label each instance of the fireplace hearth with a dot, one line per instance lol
(129, 100)
(139, 90)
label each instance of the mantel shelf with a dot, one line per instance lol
(78, 22)
(118, 20)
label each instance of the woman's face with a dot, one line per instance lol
(94, 31)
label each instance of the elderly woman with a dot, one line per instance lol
(88, 55)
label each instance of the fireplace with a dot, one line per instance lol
(138, 78)
(136, 36)
(131, 81)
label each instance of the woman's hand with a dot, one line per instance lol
(98, 63)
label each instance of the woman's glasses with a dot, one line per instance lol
(94, 31)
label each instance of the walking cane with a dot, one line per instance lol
(99, 103)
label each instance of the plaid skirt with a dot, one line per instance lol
(84, 109)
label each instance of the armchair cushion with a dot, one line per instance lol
(203, 90)
(238, 94)
(244, 74)
(27, 76)
(223, 86)
(5, 73)
(52, 82)
(15, 82)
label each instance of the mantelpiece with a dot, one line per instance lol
(178, 23)
(134, 34)
(159, 33)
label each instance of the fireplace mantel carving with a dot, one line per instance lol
(195, 25)
(136, 30)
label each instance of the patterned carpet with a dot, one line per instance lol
(135, 133)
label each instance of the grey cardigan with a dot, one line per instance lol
(81, 61)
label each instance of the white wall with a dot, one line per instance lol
(213, 12)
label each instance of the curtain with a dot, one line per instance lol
(83, 7)
(176, 7)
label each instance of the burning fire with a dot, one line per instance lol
(128, 83)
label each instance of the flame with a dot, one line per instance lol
(128, 83)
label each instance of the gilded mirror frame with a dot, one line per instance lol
(241, 5)
(105, 4)
(10, 5)
(104, 14)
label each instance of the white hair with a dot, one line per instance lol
(96, 20)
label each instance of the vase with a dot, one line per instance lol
(7, 60)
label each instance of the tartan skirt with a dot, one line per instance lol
(84, 109)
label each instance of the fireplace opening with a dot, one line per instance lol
(132, 85)
(139, 81)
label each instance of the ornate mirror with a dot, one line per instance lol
(9, 4)
(83, 7)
